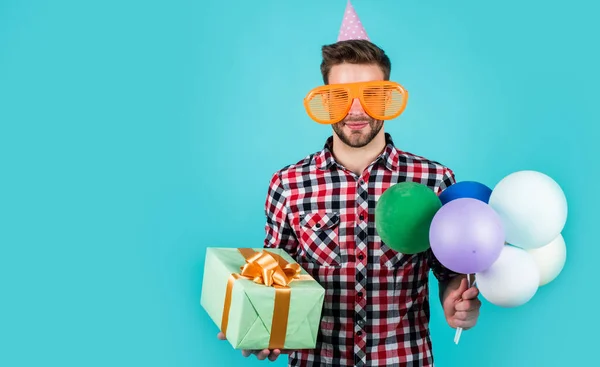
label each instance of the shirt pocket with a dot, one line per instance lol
(319, 233)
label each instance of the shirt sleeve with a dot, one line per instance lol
(447, 180)
(279, 233)
(442, 273)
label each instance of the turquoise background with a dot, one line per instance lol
(134, 134)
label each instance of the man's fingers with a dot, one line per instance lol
(457, 293)
(460, 316)
(464, 324)
(468, 305)
(263, 354)
(274, 354)
(470, 293)
(466, 315)
(465, 320)
(249, 352)
(221, 336)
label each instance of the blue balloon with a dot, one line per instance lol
(466, 189)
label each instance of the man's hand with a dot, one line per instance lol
(461, 305)
(260, 354)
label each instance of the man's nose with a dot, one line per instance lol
(356, 108)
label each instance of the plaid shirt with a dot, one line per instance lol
(376, 310)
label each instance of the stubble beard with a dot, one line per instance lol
(358, 138)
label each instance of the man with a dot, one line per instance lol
(321, 211)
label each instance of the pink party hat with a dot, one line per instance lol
(352, 28)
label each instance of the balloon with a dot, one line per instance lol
(550, 259)
(403, 215)
(466, 189)
(532, 206)
(512, 280)
(466, 235)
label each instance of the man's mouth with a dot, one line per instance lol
(356, 125)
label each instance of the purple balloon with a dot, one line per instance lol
(466, 235)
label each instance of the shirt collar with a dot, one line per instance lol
(324, 159)
(389, 157)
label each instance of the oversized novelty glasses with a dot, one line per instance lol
(382, 100)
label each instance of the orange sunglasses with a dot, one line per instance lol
(382, 100)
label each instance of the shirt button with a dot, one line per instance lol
(359, 294)
(361, 256)
(362, 182)
(361, 322)
(361, 217)
(359, 333)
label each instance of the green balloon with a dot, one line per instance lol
(403, 215)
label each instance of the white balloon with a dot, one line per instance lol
(532, 206)
(512, 280)
(550, 259)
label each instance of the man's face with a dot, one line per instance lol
(357, 129)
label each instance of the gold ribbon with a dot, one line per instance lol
(271, 270)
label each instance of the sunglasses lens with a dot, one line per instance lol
(384, 101)
(328, 105)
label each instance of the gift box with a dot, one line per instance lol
(261, 298)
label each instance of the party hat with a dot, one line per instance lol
(351, 26)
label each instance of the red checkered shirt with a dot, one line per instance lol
(376, 309)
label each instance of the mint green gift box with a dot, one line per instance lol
(252, 305)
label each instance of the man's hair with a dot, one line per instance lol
(354, 52)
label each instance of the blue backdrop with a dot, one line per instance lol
(134, 134)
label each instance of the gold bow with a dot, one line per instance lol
(268, 268)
